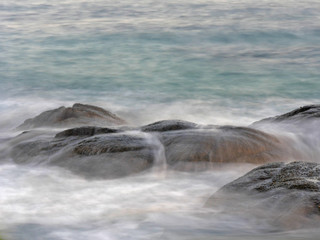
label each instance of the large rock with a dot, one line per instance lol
(77, 115)
(108, 155)
(186, 143)
(220, 145)
(310, 112)
(287, 195)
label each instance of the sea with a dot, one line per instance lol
(220, 62)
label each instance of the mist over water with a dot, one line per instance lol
(209, 62)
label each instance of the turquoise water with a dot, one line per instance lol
(206, 61)
(238, 51)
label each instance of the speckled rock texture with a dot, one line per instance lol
(287, 194)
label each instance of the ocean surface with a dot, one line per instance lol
(222, 62)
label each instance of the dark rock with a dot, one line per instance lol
(168, 125)
(101, 156)
(310, 112)
(85, 131)
(221, 145)
(287, 194)
(110, 144)
(109, 153)
(77, 115)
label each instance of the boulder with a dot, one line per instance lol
(114, 152)
(220, 145)
(109, 153)
(77, 115)
(310, 112)
(189, 146)
(287, 195)
(102, 156)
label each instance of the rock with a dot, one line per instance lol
(85, 131)
(110, 144)
(102, 156)
(287, 195)
(77, 115)
(110, 156)
(310, 112)
(168, 125)
(221, 145)
(108, 153)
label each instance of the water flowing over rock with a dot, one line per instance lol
(77, 115)
(286, 194)
(100, 156)
(220, 145)
(109, 153)
(309, 112)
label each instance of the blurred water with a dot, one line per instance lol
(206, 61)
(239, 51)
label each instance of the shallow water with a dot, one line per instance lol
(209, 62)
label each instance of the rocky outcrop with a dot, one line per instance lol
(77, 115)
(220, 145)
(109, 153)
(286, 194)
(101, 156)
(310, 112)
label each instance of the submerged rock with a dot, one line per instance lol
(109, 153)
(101, 156)
(220, 145)
(288, 195)
(77, 115)
(310, 112)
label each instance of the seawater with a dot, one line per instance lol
(210, 62)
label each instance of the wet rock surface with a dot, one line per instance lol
(77, 115)
(85, 131)
(168, 125)
(288, 194)
(220, 145)
(101, 156)
(108, 153)
(309, 112)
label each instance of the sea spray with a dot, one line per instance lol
(303, 138)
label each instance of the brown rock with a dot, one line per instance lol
(77, 115)
(108, 153)
(221, 145)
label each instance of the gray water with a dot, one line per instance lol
(209, 62)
